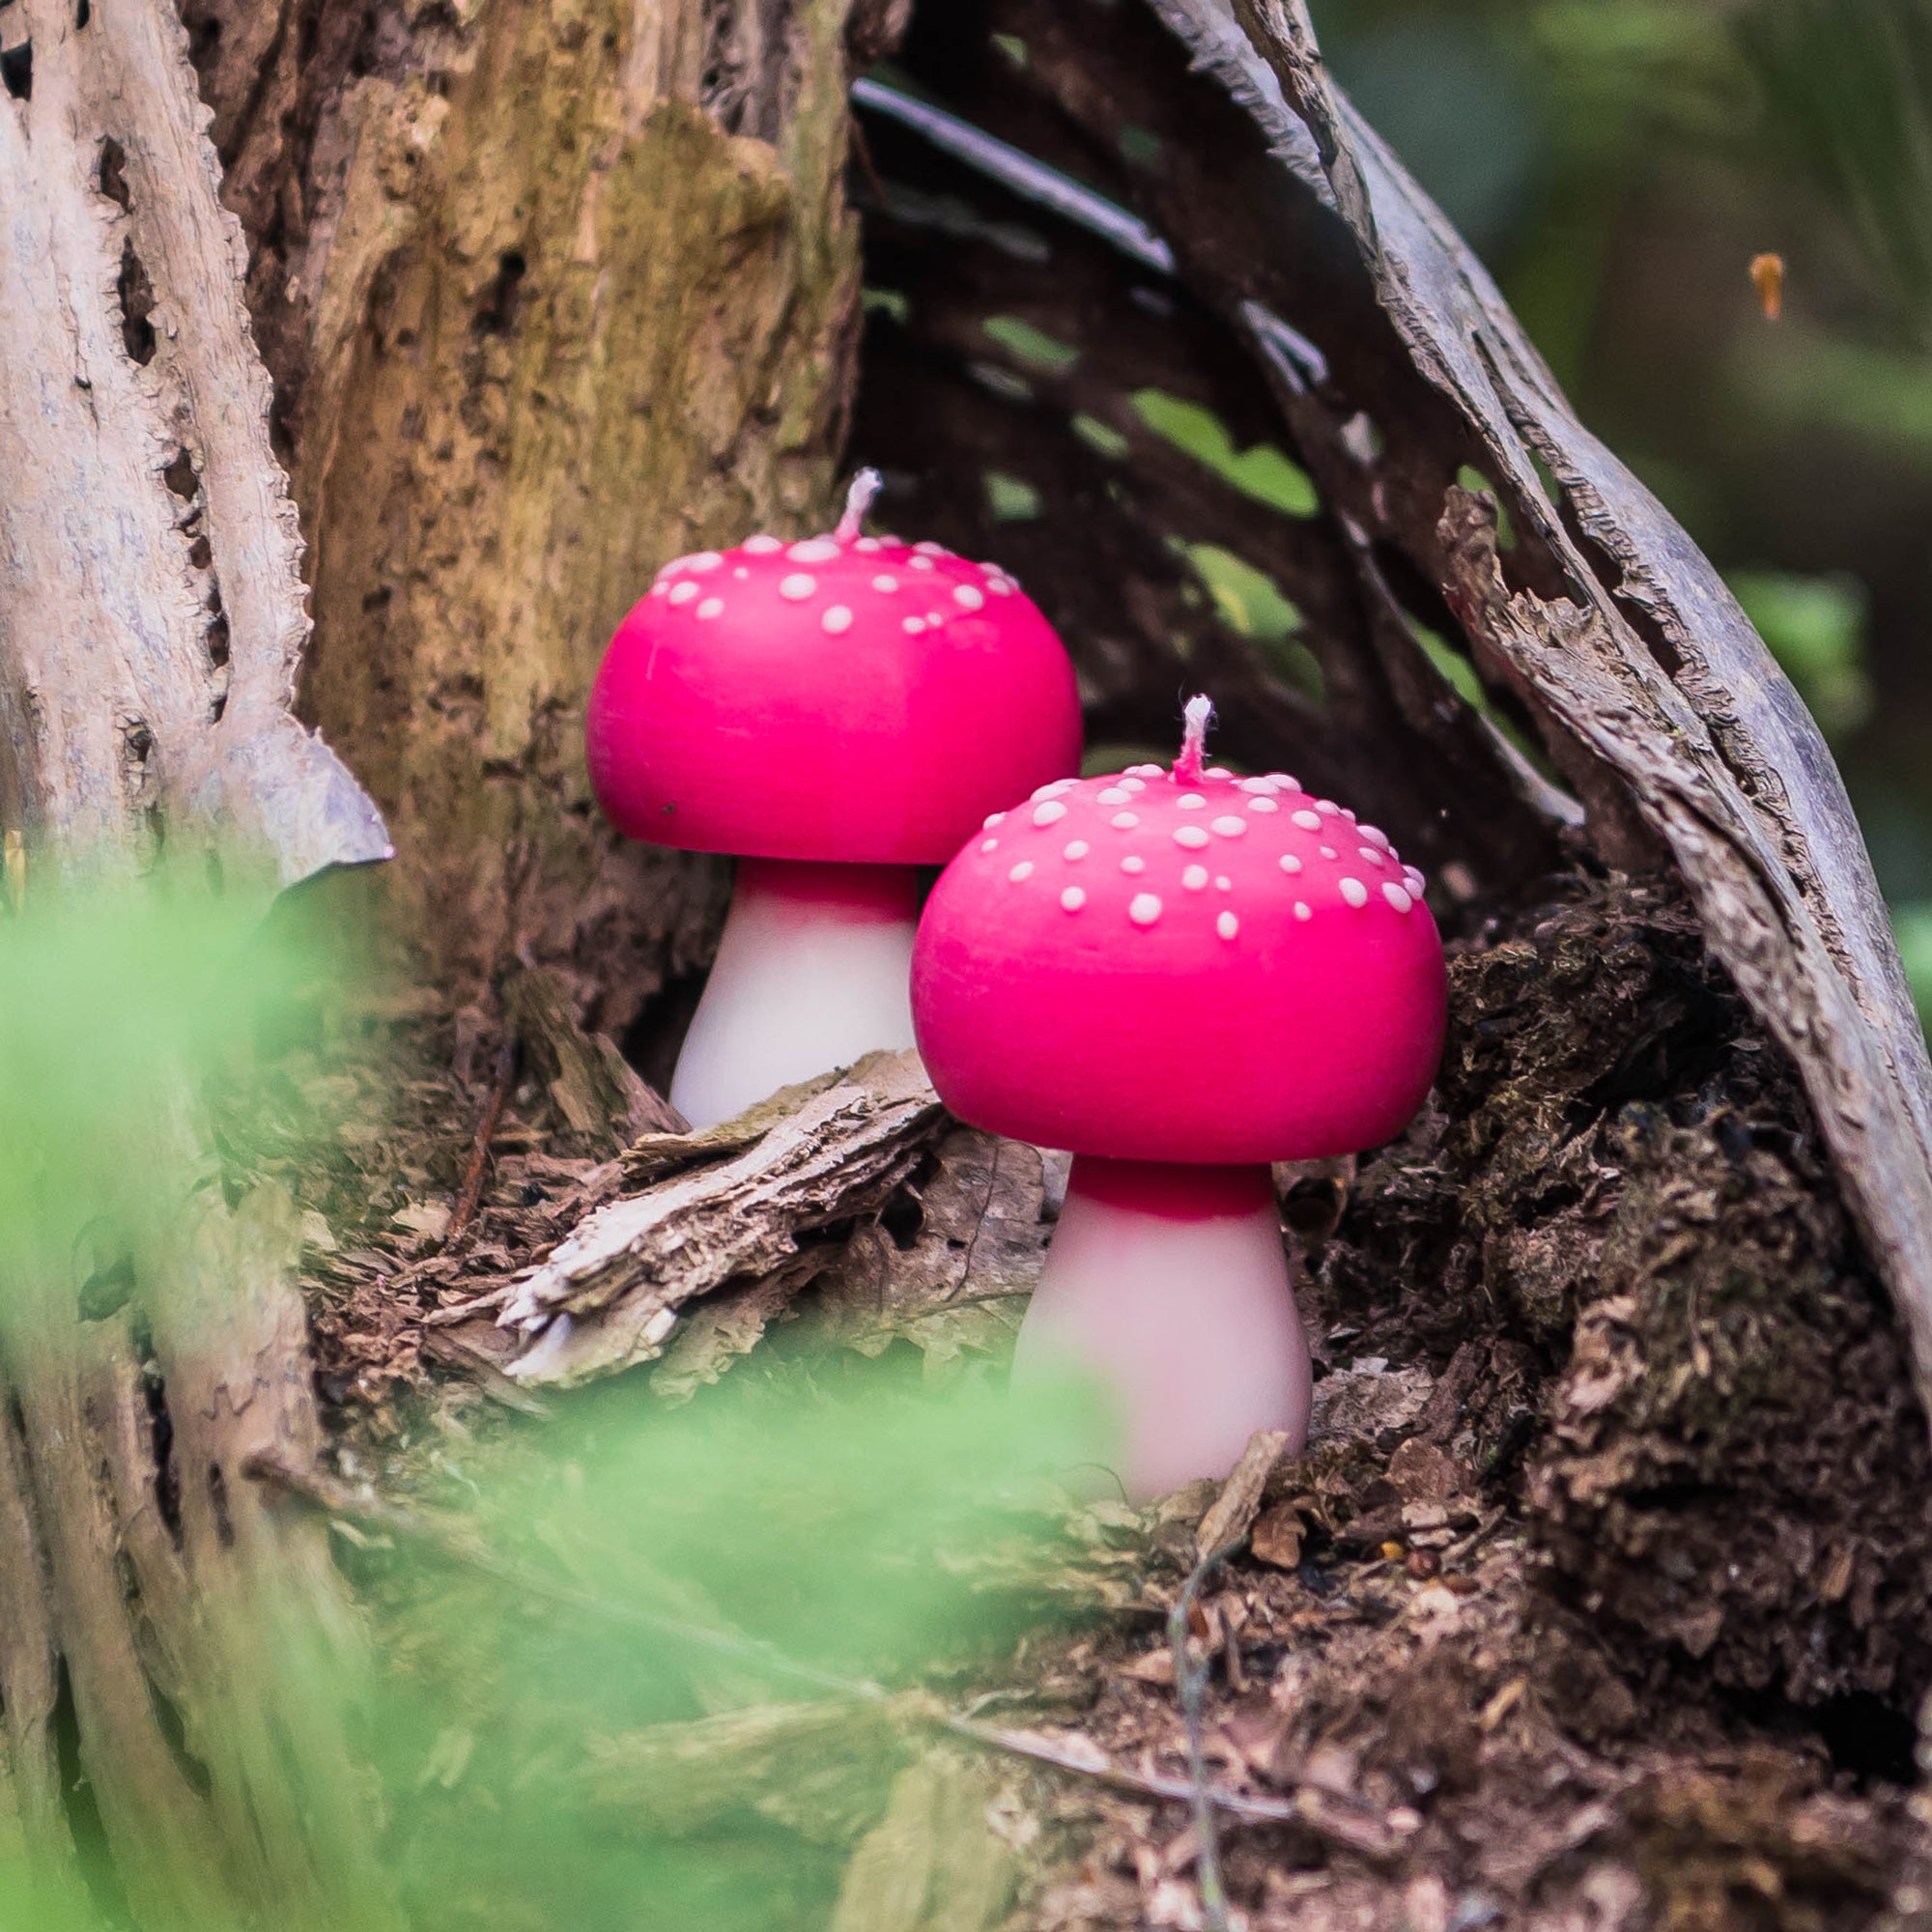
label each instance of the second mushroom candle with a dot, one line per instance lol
(837, 712)
(1183, 977)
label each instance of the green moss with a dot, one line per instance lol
(886, 301)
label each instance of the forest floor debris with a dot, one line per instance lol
(1594, 1603)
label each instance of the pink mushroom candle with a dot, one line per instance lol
(837, 712)
(1183, 977)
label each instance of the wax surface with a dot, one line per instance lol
(845, 698)
(1203, 970)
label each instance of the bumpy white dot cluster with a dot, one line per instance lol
(848, 582)
(1267, 850)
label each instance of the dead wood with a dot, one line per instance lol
(608, 1297)
(165, 1639)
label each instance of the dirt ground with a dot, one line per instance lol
(1601, 1598)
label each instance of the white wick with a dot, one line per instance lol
(858, 500)
(1197, 713)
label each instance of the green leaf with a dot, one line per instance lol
(1264, 472)
(1815, 628)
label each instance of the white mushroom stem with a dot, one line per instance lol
(1168, 1285)
(858, 500)
(811, 973)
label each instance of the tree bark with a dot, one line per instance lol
(551, 294)
(171, 1651)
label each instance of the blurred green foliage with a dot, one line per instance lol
(795, 1545)
(1619, 163)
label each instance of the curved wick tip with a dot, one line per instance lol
(858, 500)
(1195, 715)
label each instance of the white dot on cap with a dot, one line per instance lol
(885, 581)
(1262, 788)
(1191, 836)
(1144, 771)
(1124, 821)
(866, 544)
(1073, 899)
(1049, 813)
(1263, 804)
(1396, 896)
(1132, 784)
(1414, 880)
(761, 545)
(1023, 870)
(1144, 909)
(1328, 852)
(1302, 911)
(814, 549)
(1195, 878)
(1355, 891)
(660, 588)
(1190, 800)
(925, 547)
(1133, 865)
(702, 560)
(921, 563)
(1230, 827)
(913, 626)
(798, 586)
(837, 618)
(1001, 586)
(1218, 772)
(1113, 795)
(683, 592)
(935, 618)
(969, 596)
(712, 607)
(1226, 925)
(1078, 848)
(1373, 855)
(1290, 863)
(1327, 808)
(1308, 821)
(1224, 884)
(994, 818)
(989, 845)
(1375, 835)
(739, 571)
(1053, 788)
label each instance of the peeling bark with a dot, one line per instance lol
(170, 1652)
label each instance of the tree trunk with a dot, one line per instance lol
(550, 294)
(167, 1644)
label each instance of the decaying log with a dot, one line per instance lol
(171, 1651)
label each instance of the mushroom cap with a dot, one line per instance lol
(1147, 967)
(846, 697)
